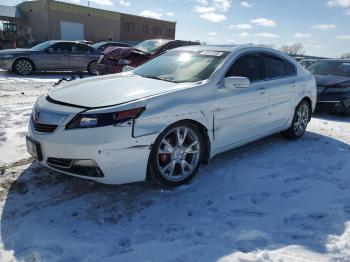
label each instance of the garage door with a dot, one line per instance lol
(72, 31)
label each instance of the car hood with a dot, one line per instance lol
(104, 91)
(330, 80)
(15, 51)
(116, 52)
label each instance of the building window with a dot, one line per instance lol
(157, 30)
(145, 29)
(129, 27)
(169, 32)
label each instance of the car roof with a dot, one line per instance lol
(228, 48)
(336, 60)
(65, 41)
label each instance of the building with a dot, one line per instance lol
(48, 19)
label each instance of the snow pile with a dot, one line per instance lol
(272, 200)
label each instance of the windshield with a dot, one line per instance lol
(150, 46)
(182, 66)
(330, 68)
(42, 46)
(98, 45)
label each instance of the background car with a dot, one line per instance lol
(166, 117)
(50, 56)
(115, 59)
(333, 85)
(102, 46)
(306, 62)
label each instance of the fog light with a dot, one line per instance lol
(85, 162)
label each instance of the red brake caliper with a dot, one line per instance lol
(164, 158)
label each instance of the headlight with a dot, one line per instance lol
(337, 90)
(104, 119)
(123, 62)
(7, 56)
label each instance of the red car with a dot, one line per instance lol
(115, 59)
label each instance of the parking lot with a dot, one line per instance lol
(273, 200)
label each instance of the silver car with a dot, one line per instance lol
(50, 56)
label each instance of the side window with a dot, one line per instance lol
(81, 48)
(290, 68)
(246, 66)
(62, 47)
(274, 67)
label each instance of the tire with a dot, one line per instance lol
(23, 66)
(91, 68)
(176, 155)
(300, 121)
(346, 111)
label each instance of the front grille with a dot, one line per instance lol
(43, 127)
(68, 165)
(108, 62)
(60, 162)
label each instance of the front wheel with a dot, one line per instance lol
(176, 155)
(23, 66)
(92, 68)
(300, 121)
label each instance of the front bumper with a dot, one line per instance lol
(336, 103)
(120, 157)
(6, 64)
(103, 69)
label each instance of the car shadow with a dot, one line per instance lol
(266, 195)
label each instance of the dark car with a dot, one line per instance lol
(333, 85)
(102, 46)
(307, 62)
(115, 59)
(50, 56)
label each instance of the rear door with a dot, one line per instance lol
(242, 113)
(281, 78)
(79, 57)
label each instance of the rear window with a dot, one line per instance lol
(274, 67)
(290, 68)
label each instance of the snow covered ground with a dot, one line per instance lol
(273, 200)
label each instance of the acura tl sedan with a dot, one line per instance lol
(162, 120)
(50, 56)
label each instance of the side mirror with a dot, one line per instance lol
(128, 68)
(237, 82)
(49, 50)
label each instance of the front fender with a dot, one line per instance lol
(188, 104)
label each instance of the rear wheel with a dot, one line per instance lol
(92, 68)
(176, 155)
(300, 121)
(23, 66)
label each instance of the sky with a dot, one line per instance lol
(322, 26)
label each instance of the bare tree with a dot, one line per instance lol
(346, 56)
(293, 49)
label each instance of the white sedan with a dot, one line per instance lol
(162, 120)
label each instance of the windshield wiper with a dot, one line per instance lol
(159, 78)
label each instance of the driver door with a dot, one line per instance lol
(242, 113)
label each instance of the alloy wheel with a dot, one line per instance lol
(178, 154)
(24, 67)
(92, 67)
(301, 120)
